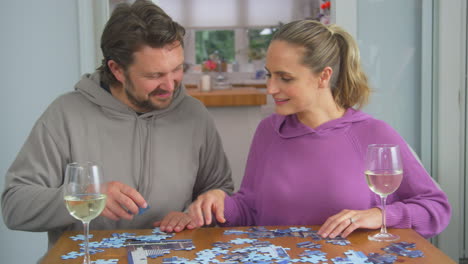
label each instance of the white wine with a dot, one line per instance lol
(85, 207)
(384, 183)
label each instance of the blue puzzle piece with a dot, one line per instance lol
(105, 261)
(154, 253)
(222, 245)
(234, 232)
(283, 231)
(357, 257)
(143, 210)
(258, 229)
(140, 210)
(352, 257)
(92, 251)
(80, 237)
(340, 260)
(72, 255)
(312, 234)
(313, 259)
(240, 241)
(153, 237)
(308, 253)
(123, 235)
(312, 256)
(376, 258)
(401, 250)
(298, 229)
(406, 244)
(341, 241)
(308, 244)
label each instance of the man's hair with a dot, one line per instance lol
(131, 27)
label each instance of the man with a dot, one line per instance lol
(156, 145)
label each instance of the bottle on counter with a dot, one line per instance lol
(235, 66)
(205, 83)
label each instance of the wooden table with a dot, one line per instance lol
(230, 97)
(203, 238)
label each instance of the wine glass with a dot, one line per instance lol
(84, 195)
(384, 172)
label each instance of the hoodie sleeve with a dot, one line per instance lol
(32, 199)
(214, 171)
(418, 203)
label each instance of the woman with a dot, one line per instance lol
(306, 162)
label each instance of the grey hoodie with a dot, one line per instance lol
(170, 156)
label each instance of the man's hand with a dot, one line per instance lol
(211, 202)
(175, 222)
(347, 221)
(121, 199)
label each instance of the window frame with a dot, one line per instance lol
(241, 40)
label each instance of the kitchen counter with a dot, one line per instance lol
(230, 97)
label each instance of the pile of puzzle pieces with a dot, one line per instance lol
(254, 252)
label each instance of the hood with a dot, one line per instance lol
(89, 86)
(289, 126)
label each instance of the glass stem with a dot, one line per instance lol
(383, 229)
(86, 259)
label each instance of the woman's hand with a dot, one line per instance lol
(207, 204)
(346, 221)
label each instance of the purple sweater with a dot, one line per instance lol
(296, 175)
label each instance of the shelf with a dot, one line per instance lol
(253, 85)
(230, 97)
(235, 85)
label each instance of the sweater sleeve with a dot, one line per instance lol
(32, 199)
(239, 209)
(418, 203)
(214, 170)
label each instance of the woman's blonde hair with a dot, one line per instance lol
(330, 46)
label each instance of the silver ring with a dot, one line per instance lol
(351, 220)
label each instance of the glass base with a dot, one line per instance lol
(383, 237)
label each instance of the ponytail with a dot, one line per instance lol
(351, 85)
(330, 46)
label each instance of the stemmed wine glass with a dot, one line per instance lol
(84, 195)
(384, 172)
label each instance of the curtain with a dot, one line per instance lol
(237, 13)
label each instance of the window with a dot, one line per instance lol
(239, 30)
(259, 39)
(223, 43)
(208, 42)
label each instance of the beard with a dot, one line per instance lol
(148, 105)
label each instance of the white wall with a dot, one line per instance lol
(39, 60)
(452, 48)
(391, 56)
(236, 126)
